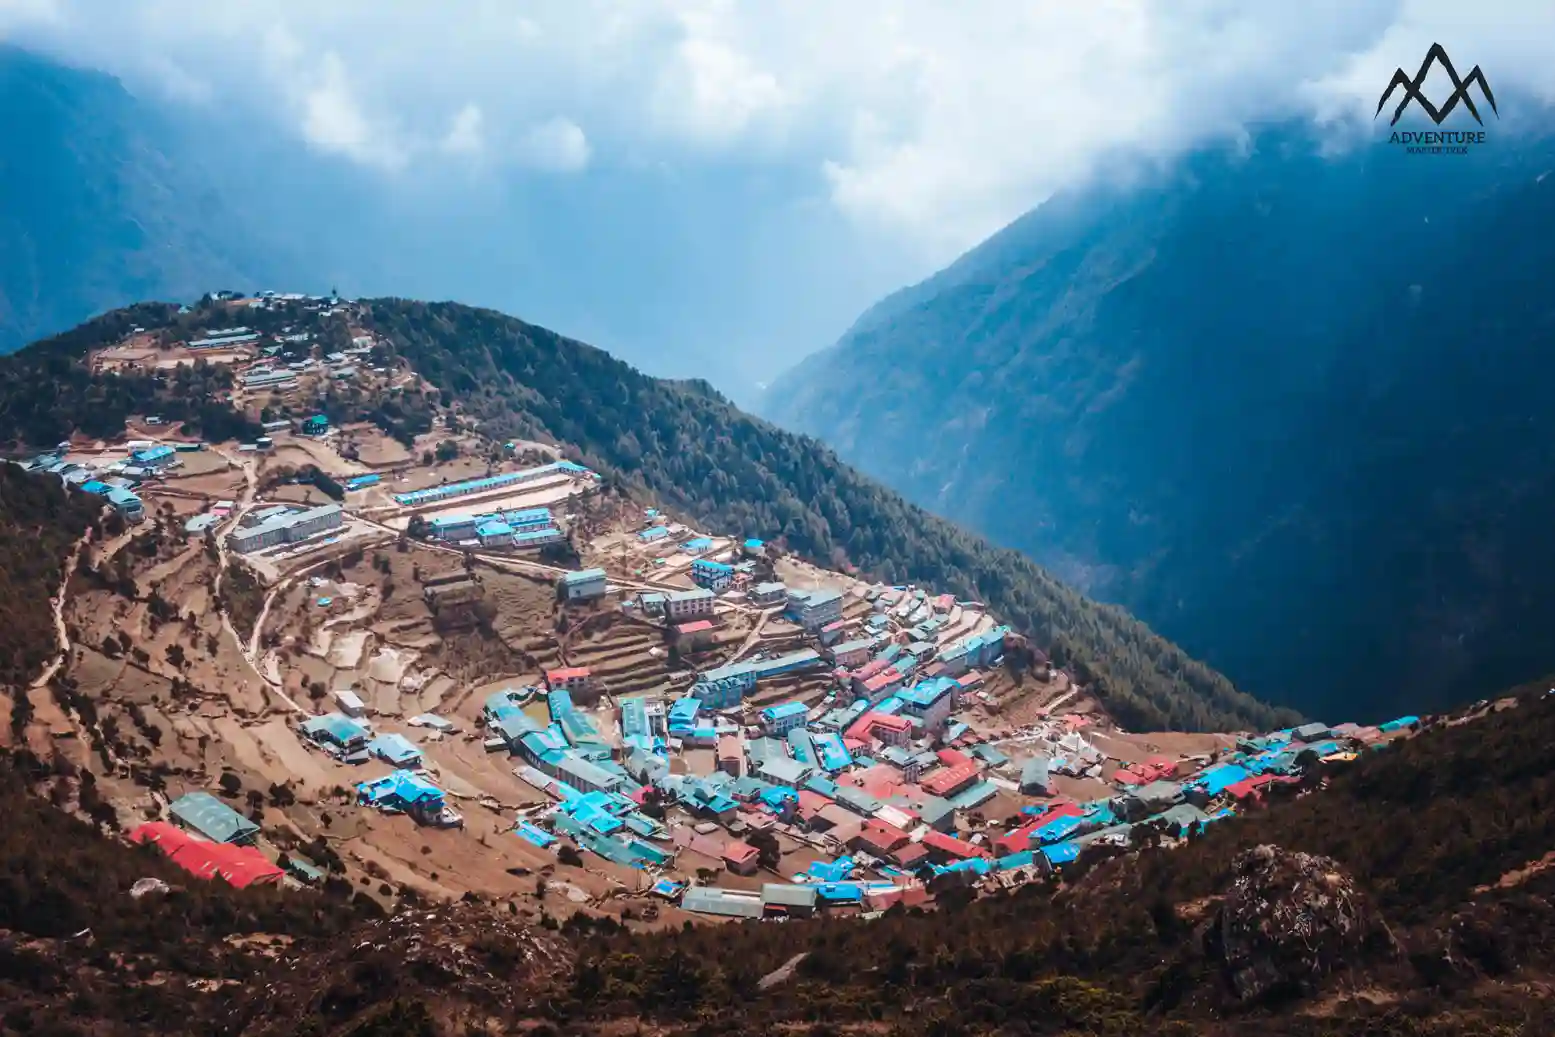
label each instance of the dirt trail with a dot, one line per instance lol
(57, 605)
(752, 637)
(223, 560)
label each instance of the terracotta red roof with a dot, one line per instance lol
(695, 627)
(862, 727)
(869, 669)
(1018, 839)
(949, 844)
(909, 856)
(739, 851)
(947, 780)
(951, 758)
(566, 673)
(882, 680)
(238, 866)
(812, 803)
(887, 832)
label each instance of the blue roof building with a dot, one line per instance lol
(783, 717)
(803, 747)
(634, 718)
(1215, 780)
(683, 712)
(403, 790)
(153, 456)
(712, 575)
(656, 533)
(1061, 853)
(395, 749)
(125, 502)
(833, 753)
(336, 729)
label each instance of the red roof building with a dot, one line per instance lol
(910, 856)
(757, 820)
(731, 752)
(741, 857)
(889, 728)
(951, 758)
(883, 681)
(879, 838)
(1016, 840)
(881, 781)
(238, 866)
(869, 669)
(1128, 777)
(566, 677)
(811, 804)
(1252, 787)
(949, 847)
(696, 626)
(947, 781)
(1054, 812)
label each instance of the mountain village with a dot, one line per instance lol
(458, 666)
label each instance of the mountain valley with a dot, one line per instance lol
(286, 554)
(1282, 405)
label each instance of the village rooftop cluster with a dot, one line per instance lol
(881, 781)
(810, 742)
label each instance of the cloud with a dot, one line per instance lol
(556, 145)
(333, 120)
(929, 122)
(464, 136)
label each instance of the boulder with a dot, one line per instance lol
(1289, 920)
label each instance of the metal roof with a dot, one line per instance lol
(782, 894)
(211, 817)
(711, 900)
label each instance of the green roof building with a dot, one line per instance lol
(204, 813)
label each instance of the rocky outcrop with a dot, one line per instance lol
(1288, 920)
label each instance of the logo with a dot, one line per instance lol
(1444, 142)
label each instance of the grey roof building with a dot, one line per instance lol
(792, 898)
(780, 770)
(710, 900)
(209, 816)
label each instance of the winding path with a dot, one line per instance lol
(57, 605)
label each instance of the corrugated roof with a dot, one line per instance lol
(211, 817)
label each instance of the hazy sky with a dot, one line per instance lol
(750, 175)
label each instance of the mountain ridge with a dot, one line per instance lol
(1163, 391)
(685, 447)
(107, 213)
(697, 453)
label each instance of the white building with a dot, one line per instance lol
(285, 529)
(582, 585)
(350, 703)
(680, 605)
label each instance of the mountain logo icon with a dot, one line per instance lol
(1460, 91)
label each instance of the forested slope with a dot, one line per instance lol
(698, 454)
(1284, 402)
